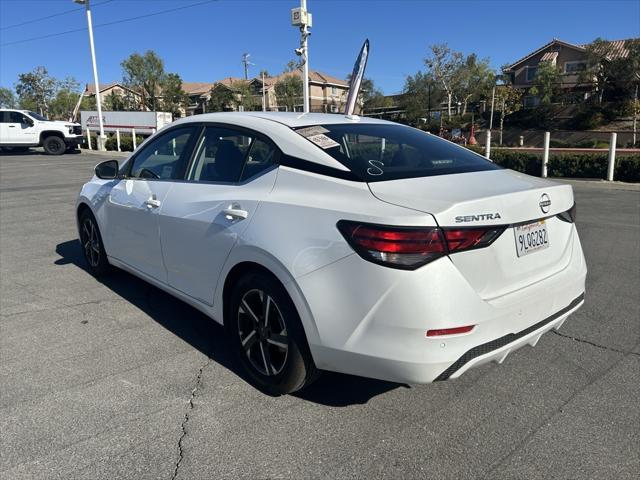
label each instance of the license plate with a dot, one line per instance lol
(531, 237)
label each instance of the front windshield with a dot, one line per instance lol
(37, 116)
(378, 152)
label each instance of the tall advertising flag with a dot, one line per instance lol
(356, 78)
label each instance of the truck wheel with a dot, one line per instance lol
(54, 145)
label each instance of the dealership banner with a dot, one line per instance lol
(143, 122)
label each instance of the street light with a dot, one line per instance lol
(101, 137)
(303, 19)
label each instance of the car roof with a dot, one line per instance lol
(290, 119)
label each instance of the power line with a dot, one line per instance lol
(124, 20)
(52, 16)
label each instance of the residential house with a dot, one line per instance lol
(106, 89)
(571, 59)
(327, 93)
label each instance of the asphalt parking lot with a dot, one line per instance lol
(116, 379)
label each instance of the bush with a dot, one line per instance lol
(581, 165)
(126, 142)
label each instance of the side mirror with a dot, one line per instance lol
(28, 121)
(107, 170)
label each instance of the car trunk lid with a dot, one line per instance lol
(489, 198)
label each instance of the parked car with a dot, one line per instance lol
(22, 129)
(325, 242)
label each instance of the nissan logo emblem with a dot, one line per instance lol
(545, 203)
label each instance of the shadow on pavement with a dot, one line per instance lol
(332, 389)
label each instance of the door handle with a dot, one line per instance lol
(12, 126)
(152, 202)
(234, 212)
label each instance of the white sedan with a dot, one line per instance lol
(330, 242)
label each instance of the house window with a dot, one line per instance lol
(530, 101)
(531, 73)
(334, 91)
(575, 67)
(334, 109)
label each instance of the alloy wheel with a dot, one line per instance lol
(262, 332)
(91, 242)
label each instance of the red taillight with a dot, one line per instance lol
(412, 247)
(449, 331)
(399, 247)
(467, 238)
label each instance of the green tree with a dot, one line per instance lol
(292, 65)
(244, 95)
(7, 98)
(36, 89)
(145, 74)
(508, 101)
(67, 95)
(221, 99)
(473, 80)
(421, 93)
(546, 83)
(174, 99)
(614, 77)
(443, 64)
(114, 103)
(289, 91)
(371, 96)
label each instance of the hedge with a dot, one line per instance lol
(573, 165)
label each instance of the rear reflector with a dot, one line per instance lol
(449, 331)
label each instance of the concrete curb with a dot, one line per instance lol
(111, 154)
(599, 183)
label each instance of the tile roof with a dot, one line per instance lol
(194, 88)
(91, 87)
(617, 48)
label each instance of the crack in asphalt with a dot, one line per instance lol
(185, 420)
(593, 344)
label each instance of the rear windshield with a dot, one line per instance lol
(379, 152)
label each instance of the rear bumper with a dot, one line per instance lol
(497, 350)
(376, 327)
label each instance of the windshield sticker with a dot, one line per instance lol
(323, 141)
(375, 168)
(310, 131)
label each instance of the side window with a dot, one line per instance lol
(165, 157)
(220, 155)
(15, 117)
(261, 156)
(4, 117)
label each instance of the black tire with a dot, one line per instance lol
(258, 345)
(54, 145)
(92, 246)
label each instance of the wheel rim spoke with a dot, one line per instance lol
(247, 309)
(265, 358)
(262, 332)
(249, 340)
(279, 341)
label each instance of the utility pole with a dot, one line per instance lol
(301, 18)
(246, 63)
(101, 136)
(264, 99)
(635, 114)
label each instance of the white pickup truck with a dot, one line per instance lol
(21, 129)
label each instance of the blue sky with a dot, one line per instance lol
(206, 42)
